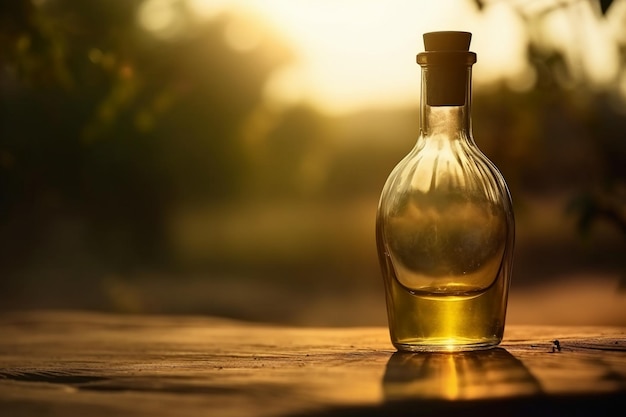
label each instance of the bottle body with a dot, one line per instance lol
(445, 236)
(445, 244)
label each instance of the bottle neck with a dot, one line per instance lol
(446, 102)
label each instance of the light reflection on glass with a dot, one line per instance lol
(493, 373)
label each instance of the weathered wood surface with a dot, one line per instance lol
(85, 364)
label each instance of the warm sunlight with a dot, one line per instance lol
(588, 46)
(356, 54)
(351, 54)
(269, 178)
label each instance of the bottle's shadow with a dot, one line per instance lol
(485, 374)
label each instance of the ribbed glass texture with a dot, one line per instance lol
(445, 235)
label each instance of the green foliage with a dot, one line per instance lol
(564, 135)
(103, 121)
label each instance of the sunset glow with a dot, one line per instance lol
(355, 54)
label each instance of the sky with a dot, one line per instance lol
(356, 54)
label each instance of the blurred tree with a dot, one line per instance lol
(104, 122)
(581, 124)
(290, 158)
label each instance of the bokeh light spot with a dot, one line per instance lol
(242, 35)
(160, 17)
(95, 55)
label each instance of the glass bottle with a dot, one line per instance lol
(445, 227)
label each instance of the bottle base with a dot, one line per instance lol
(443, 345)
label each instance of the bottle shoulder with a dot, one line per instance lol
(448, 169)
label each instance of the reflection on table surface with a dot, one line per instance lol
(457, 376)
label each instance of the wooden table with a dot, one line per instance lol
(87, 364)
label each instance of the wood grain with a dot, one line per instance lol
(77, 363)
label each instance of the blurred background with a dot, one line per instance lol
(225, 157)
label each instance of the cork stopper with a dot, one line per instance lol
(446, 61)
(447, 41)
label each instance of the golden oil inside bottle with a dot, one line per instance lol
(434, 322)
(445, 269)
